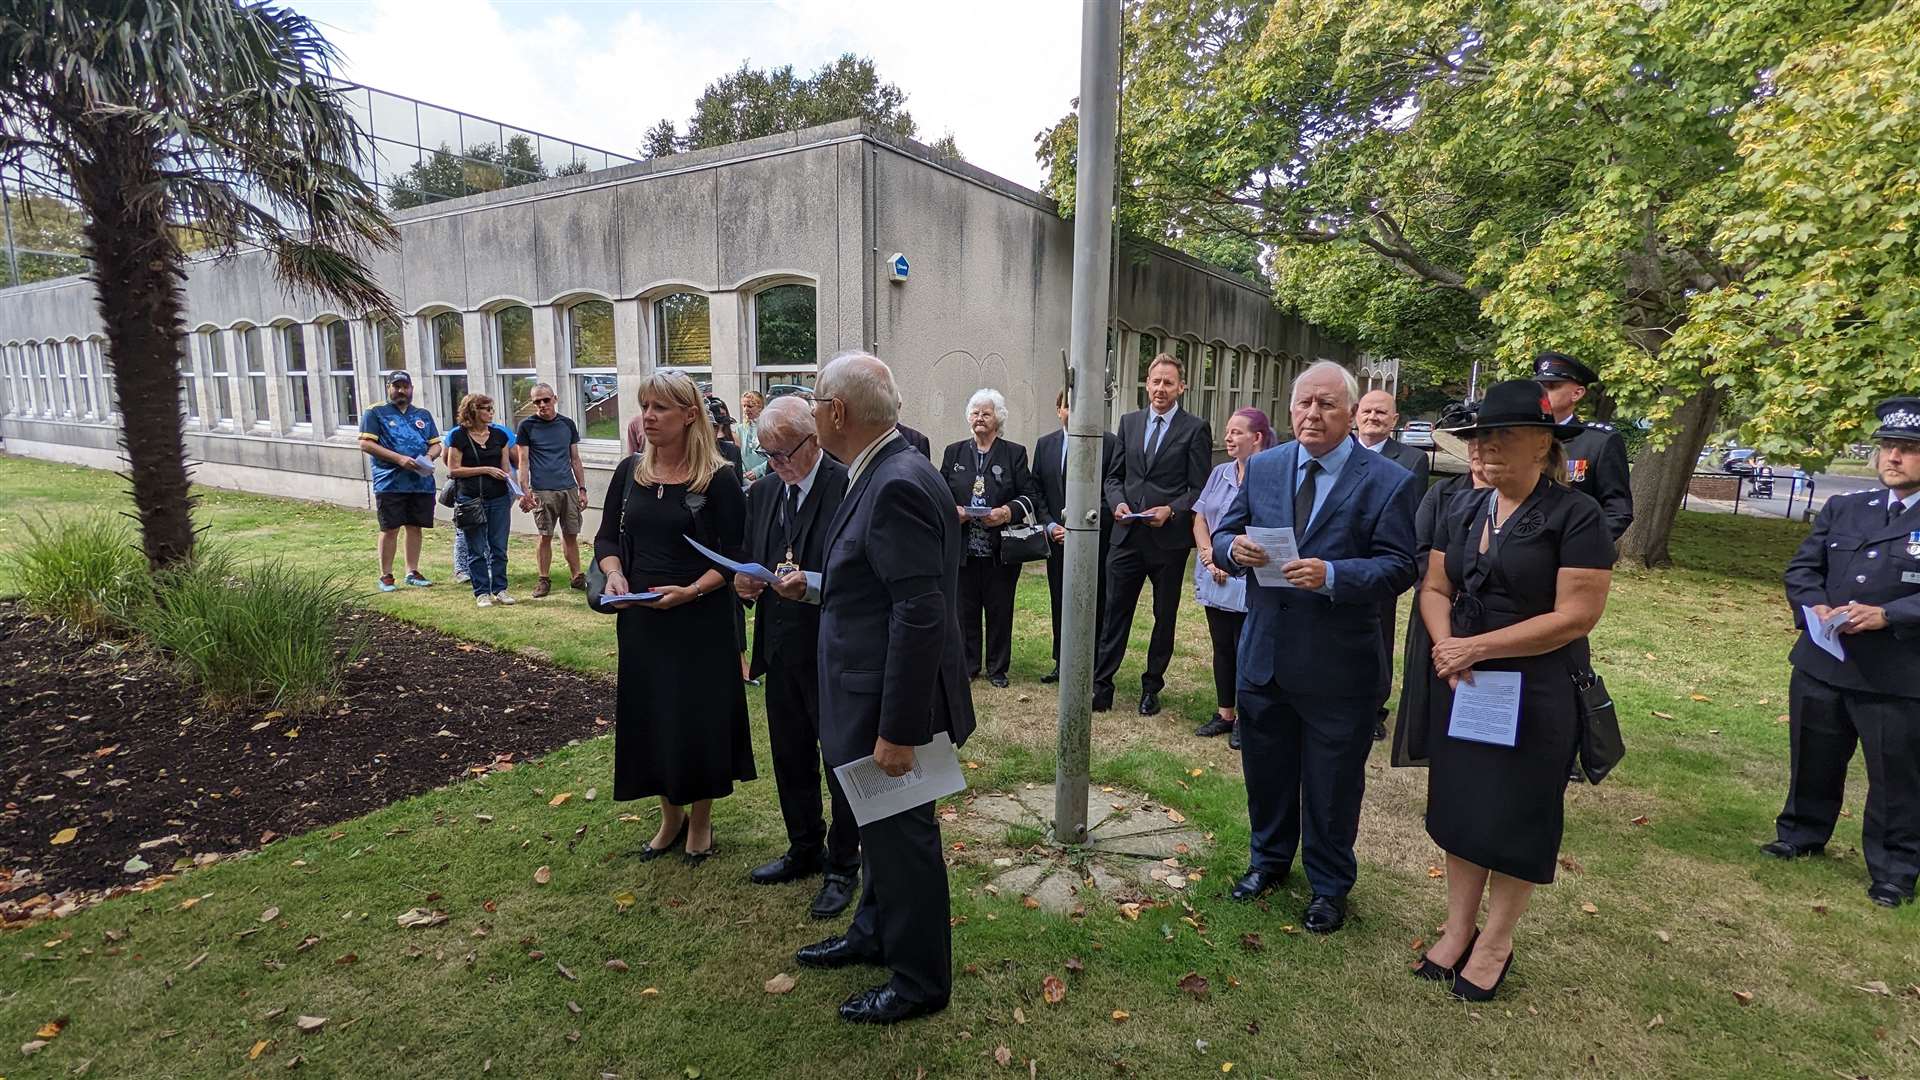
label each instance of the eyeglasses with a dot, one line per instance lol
(543, 401)
(781, 457)
(812, 398)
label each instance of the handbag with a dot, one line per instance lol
(1023, 543)
(596, 577)
(450, 495)
(1601, 746)
(471, 514)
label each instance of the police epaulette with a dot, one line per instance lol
(1598, 425)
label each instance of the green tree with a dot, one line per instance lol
(152, 115)
(48, 238)
(750, 103)
(662, 140)
(1704, 199)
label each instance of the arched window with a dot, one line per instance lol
(683, 332)
(512, 337)
(220, 370)
(336, 347)
(393, 348)
(786, 336)
(109, 404)
(82, 368)
(293, 360)
(592, 378)
(253, 358)
(189, 380)
(449, 360)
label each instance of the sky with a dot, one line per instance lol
(993, 72)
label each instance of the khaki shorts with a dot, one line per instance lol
(561, 505)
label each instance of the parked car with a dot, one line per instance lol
(1417, 434)
(1739, 462)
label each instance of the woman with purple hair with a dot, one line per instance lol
(1223, 596)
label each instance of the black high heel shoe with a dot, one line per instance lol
(648, 852)
(1433, 972)
(1467, 991)
(695, 858)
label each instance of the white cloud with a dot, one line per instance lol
(994, 72)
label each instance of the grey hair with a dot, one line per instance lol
(787, 413)
(987, 395)
(1347, 380)
(539, 386)
(864, 384)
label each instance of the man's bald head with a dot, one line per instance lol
(1377, 417)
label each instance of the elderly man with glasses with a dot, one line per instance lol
(554, 483)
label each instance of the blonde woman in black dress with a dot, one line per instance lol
(1517, 578)
(681, 712)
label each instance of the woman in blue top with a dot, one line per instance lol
(1223, 596)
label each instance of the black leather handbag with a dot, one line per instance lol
(1601, 746)
(471, 514)
(1023, 543)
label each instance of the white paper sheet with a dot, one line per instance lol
(1827, 634)
(1136, 517)
(621, 598)
(752, 569)
(875, 796)
(1281, 550)
(513, 486)
(1487, 709)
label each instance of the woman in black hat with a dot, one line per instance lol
(1516, 580)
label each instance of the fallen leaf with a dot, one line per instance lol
(1052, 990)
(105, 750)
(64, 836)
(1699, 697)
(565, 972)
(1819, 909)
(543, 875)
(1589, 908)
(1662, 715)
(270, 914)
(623, 901)
(347, 960)
(560, 799)
(1075, 965)
(1657, 1021)
(291, 733)
(1744, 997)
(1436, 872)
(1196, 984)
(1131, 911)
(1019, 1015)
(780, 984)
(1252, 942)
(1176, 817)
(1641, 820)
(136, 865)
(1874, 987)
(310, 1024)
(51, 1029)
(1121, 1016)
(420, 917)
(1003, 1055)
(258, 1049)
(574, 1007)
(651, 991)
(1029, 903)
(1570, 863)
(1664, 937)
(591, 794)
(33, 1047)
(618, 965)
(1190, 772)
(296, 1061)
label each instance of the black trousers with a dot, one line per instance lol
(1057, 582)
(1129, 567)
(1305, 759)
(904, 912)
(1389, 615)
(793, 732)
(1827, 721)
(986, 594)
(1223, 627)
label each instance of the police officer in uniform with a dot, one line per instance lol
(1859, 572)
(1597, 456)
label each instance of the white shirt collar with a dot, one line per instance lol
(1168, 415)
(1912, 500)
(806, 482)
(861, 460)
(1376, 447)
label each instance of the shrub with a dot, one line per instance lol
(264, 633)
(86, 573)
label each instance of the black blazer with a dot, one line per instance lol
(1414, 461)
(1174, 480)
(785, 627)
(1052, 474)
(1010, 483)
(916, 440)
(1854, 554)
(890, 655)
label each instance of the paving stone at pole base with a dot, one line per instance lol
(1131, 842)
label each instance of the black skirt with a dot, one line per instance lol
(681, 713)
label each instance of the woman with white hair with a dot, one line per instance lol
(992, 488)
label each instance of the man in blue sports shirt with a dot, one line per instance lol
(404, 443)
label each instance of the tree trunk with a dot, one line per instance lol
(137, 276)
(1660, 479)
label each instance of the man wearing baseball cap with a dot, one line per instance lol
(1854, 587)
(403, 443)
(1596, 455)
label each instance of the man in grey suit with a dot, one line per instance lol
(1310, 651)
(1373, 426)
(892, 674)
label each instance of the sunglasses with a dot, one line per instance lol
(781, 457)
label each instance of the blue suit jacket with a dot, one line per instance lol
(890, 651)
(1328, 645)
(1854, 554)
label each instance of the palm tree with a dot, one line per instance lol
(208, 118)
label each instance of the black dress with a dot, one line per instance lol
(681, 711)
(1416, 659)
(1496, 806)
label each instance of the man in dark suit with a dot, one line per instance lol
(1373, 426)
(1166, 455)
(1859, 570)
(788, 511)
(916, 440)
(1050, 465)
(1310, 651)
(892, 675)
(1596, 455)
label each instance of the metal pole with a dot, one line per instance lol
(1087, 349)
(13, 261)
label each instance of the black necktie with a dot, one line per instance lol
(1895, 507)
(1303, 499)
(1153, 438)
(790, 514)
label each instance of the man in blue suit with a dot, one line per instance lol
(892, 674)
(1310, 659)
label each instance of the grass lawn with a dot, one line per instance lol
(1628, 965)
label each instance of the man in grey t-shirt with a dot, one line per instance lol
(555, 483)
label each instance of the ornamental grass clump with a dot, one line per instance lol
(85, 573)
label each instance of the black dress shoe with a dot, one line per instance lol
(1051, 676)
(1427, 969)
(1379, 731)
(788, 867)
(1325, 914)
(1149, 703)
(1102, 702)
(1219, 725)
(695, 858)
(1255, 883)
(834, 952)
(648, 852)
(1467, 991)
(998, 680)
(881, 1005)
(1233, 737)
(836, 892)
(1887, 894)
(1787, 849)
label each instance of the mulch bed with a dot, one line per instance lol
(104, 740)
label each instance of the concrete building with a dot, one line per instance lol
(745, 265)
